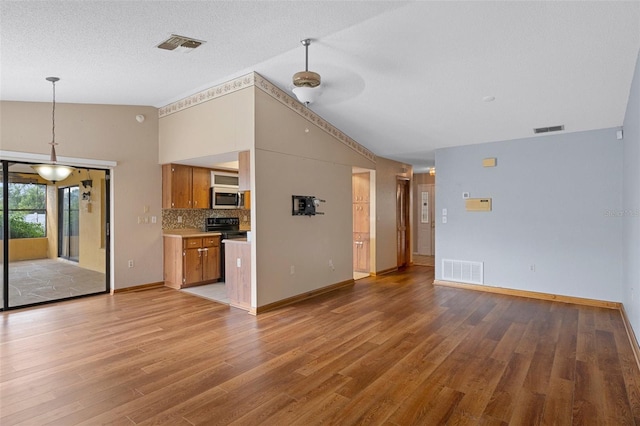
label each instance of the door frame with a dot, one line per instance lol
(403, 221)
(9, 158)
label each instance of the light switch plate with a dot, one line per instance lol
(444, 219)
(444, 212)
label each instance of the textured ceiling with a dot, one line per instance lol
(401, 78)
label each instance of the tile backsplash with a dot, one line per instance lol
(195, 218)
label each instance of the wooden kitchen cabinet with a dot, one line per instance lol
(191, 260)
(185, 187)
(360, 187)
(200, 187)
(361, 221)
(361, 217)
(361, 252)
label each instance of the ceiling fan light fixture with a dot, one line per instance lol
(307, 94)
(306, 79)
(52, 171)
(307, 83)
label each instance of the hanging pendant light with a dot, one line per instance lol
(52, 171)
(307, 82)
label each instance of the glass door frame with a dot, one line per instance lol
(4, 207)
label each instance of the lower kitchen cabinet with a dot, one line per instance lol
(361, 252)
(237, 269)
(191, 260)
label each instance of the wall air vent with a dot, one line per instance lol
(181, 43)
(548, 129)
(462, 271)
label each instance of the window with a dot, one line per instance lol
(27, 210)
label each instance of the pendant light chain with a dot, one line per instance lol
(52, 171)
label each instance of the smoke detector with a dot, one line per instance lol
(180, 43)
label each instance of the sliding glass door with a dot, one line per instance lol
(68, 223)
(54, 235)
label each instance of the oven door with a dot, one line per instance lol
(224, 198)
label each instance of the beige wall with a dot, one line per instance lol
(295, 157)
(219, 126)
(107, 133)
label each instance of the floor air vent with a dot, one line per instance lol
(462, 271)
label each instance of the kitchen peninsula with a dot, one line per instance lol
(238, 272)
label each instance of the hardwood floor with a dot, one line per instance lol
(391, 350)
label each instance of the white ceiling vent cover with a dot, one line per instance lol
(462, 271)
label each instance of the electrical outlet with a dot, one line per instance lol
(292, 270)
(130, 263)
(154, 219)
(179, 219)
(238, 262)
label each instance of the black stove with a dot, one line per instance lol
(222, 224)
(229, 228)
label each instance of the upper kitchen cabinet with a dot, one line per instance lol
(185, 187)
(244, 171)
(200, 187)
(361, 187)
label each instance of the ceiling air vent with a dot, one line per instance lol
(548, 129)
(182, 43)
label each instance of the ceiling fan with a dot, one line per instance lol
(307, 83)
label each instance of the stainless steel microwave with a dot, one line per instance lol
(224, 197)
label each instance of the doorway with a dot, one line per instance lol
(55, 243)
(424, 194)
(425, 238)
(402, 223)
(362, 233)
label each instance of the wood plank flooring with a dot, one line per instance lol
(392, 350)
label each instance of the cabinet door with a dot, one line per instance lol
(211, 263)
(361, 217)
(200, 182)
(360, 187)
(180, 186)
(192, 266)
(361, 252)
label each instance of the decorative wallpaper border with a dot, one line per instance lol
(208, 94)
(255, 79)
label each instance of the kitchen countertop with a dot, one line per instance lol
(188, 232)
(237, 241)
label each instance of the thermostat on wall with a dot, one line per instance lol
(478, 204)
(465, 195)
